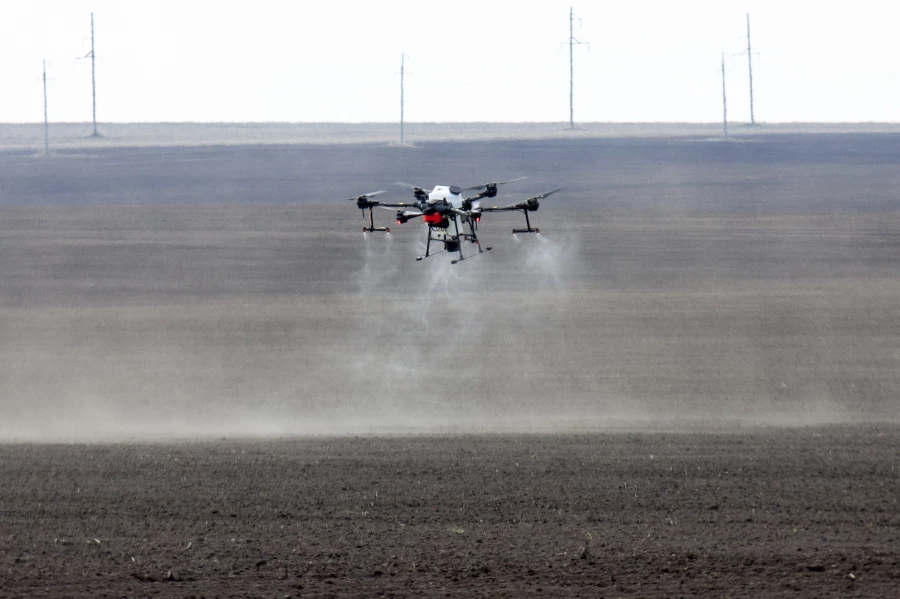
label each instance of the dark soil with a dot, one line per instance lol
(763, 513)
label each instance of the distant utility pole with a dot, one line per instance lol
(572, 43)
(402, 75)
(750, 67)
(92, 56)
(93, 80)
(724, 101)
(46, 125)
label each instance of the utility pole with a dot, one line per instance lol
(46, 126)
(572, 43)
(93, 80)
(750, 67)
(571, 70)
(724, 101)
(92, 55)
(402, 74)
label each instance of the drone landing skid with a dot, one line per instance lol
(429, 255)
(372, 228)
(455, 243)
(528, 228)
(480, 251)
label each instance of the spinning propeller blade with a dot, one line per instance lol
(497, 183)
(533, 200)
(365, 196)
(407, 186)
(546, 194)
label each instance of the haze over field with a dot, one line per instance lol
(467, 61)
(679, 282)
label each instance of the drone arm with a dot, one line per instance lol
(529, 205)
(396, 205)
(406, 216)
(511, 208)
(402, 215)
(365, 202)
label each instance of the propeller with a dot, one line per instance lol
(365, 196)
(486, 185)
(420, 194)
(365, 201)
(530, 204)
(546, 194)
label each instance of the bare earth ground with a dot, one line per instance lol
(68, 136)
(800, 513)
(687, 386)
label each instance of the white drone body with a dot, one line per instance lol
(453, 195)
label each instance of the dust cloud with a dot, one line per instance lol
(406, 347)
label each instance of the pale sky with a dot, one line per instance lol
(319, 61)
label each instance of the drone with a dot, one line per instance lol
(452, 218)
